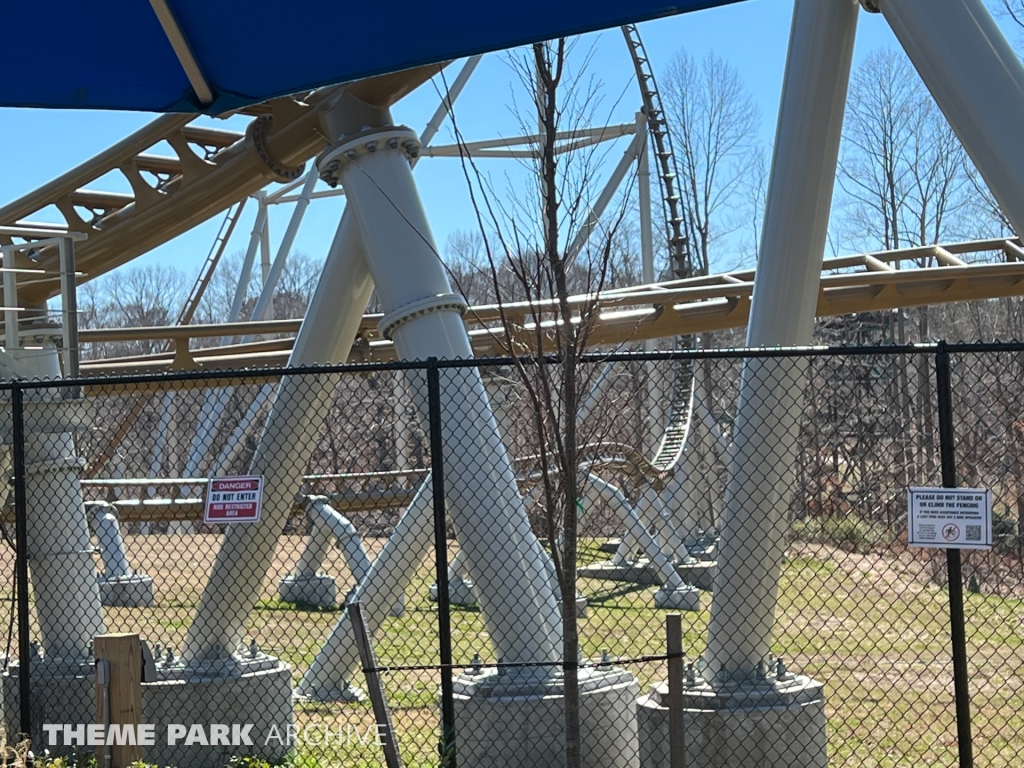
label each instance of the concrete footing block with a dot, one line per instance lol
(347, 694)
(62, 692)
(685, 598)
(256, 691)
(698, 573)
(776, 724)
(460, 593)
(507, 721)
(132, 591)
(319, 591)
(398, 609)
(581, 606)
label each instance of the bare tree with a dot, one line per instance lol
(986, 211)
(755, 189)
(905, 181)
(131, 298)
(533, 279)
(467, 262)
(714, 123)
(135, 297)
(292, 294)
(296, 286)
(903, 175)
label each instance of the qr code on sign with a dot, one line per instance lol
(973, 533)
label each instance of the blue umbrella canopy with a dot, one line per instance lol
(217, 55)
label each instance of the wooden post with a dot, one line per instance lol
(120, 700)
(374, 687)
(676, 734)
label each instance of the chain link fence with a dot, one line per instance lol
(762, 498)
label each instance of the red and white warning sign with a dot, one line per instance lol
(234, 499)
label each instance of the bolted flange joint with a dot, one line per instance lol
(257, 133)
(443, 302)
(399, 138)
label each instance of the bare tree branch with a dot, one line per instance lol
(1015, 10)
(715, 123)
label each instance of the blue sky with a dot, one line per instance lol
(38, 145)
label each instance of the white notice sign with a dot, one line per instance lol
(949, 518)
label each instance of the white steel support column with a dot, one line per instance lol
(673, 593)
(162, 428)
(344, 533)
(327, 334)
(171, 460)
(774, 719)
(253, 414)
(108, 531)
(423, 317)
(62, 572)
(61, 565)
(308, 585)
(60, 552)
(448, 102)
(119, 584)
(978, 83)
(404, 421)
(207, 428)
(265, 305)
(11, 319)
(460, 587)
(216, 400)
(593, 218)
(643, 178)
(255, 239)
(265, 250)
(782, 314)
(328, 677)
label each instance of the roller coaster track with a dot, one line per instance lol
(866, 282)
(667, 166)
(673, 440)
(210, 170)
(182, 498)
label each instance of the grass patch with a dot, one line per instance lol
(851, 534)
(856, 616)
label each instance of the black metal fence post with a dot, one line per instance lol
(958, 634)
(21, 557)
(444, 619)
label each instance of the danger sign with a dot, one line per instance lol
(234, 499)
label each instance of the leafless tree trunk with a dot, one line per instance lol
(549, 72)
(549, 333)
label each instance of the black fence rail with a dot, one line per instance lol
(772, 519)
